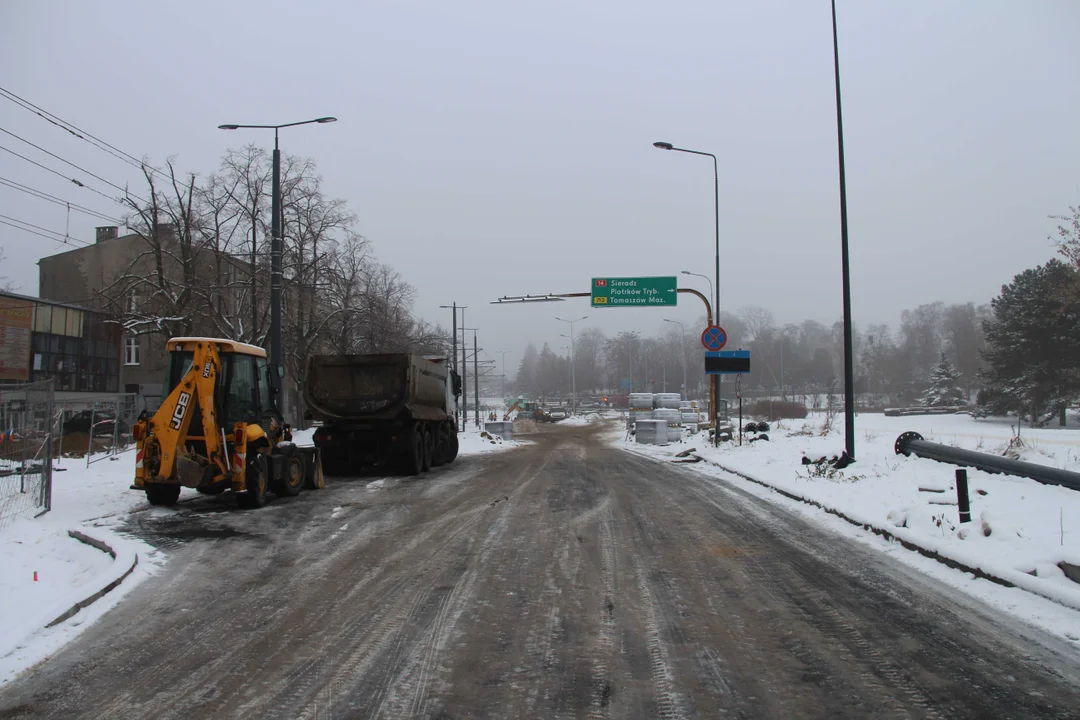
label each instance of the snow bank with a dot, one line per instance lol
(92, 501)
(1022, 532)
(474, 442)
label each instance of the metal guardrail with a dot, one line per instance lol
(912, 443)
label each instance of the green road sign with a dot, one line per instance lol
(637, 292)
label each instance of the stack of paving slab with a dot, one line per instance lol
(641, 406)
(669, 401)
(673, 418)
(651, 432)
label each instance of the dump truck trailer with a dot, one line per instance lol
(392, 410)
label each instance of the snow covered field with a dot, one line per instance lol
(89, 500)
(1021, 531)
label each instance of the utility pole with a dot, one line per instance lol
(502, 385)
(476, 378)
(453, 355)
(464, 375)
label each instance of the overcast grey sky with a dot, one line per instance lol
(501, 148)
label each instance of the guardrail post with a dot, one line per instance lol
(962, 500)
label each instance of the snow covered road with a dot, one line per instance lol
(565, 578)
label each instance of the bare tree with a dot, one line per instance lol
(159, 290)
(5, 284)
(247, 175)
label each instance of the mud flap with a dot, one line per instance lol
(313, 472)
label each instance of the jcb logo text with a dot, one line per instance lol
(180, 410)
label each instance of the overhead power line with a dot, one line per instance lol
(60, 174)
(78, 132)
(58, 201)
(68, 162)
(53, 235)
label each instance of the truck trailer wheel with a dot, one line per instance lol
(162, 494)
(291, 481)
(452, 447)
(429, 448)
(442, 445)
(412, 461)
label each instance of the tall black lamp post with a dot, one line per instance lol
(849, 364)
(275, 236)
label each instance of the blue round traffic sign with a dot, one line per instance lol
(714, 338)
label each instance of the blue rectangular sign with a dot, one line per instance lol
(725, 362)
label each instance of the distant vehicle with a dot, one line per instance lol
(104, 423)
(557, 414)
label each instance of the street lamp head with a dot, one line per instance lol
(228, 127)
(663, 145)
(686, 272)
(326, 120)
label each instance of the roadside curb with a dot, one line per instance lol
(112, 585)
(1018, 582)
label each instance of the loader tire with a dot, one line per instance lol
(255, 495)
(162, 494)
(412, 459)
(291, 481)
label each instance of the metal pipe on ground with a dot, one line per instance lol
(912, 443)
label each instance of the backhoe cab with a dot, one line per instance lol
(219, 429)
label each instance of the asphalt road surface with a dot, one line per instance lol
(567, 579)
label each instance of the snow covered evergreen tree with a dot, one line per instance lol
(1033, 345)
(944, 390)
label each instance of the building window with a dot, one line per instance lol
(131, 351)
(133, 303)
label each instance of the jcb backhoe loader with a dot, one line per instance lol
(219, 429)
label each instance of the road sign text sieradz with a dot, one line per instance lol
(634, 291)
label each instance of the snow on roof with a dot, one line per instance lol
(228, 345)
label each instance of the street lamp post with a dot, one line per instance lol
(275, 236)
(570, 359)
(682, 336)
(707, 279)
(573, 362)
(849, 363)
(716, 212)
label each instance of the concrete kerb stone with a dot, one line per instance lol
(86, 602)
(906, 544)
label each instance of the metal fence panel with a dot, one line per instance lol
(27, 429)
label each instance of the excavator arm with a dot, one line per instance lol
(161, 439)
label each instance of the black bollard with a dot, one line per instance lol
(962, 495)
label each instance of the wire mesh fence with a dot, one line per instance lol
(96, 426)
(27, 428)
